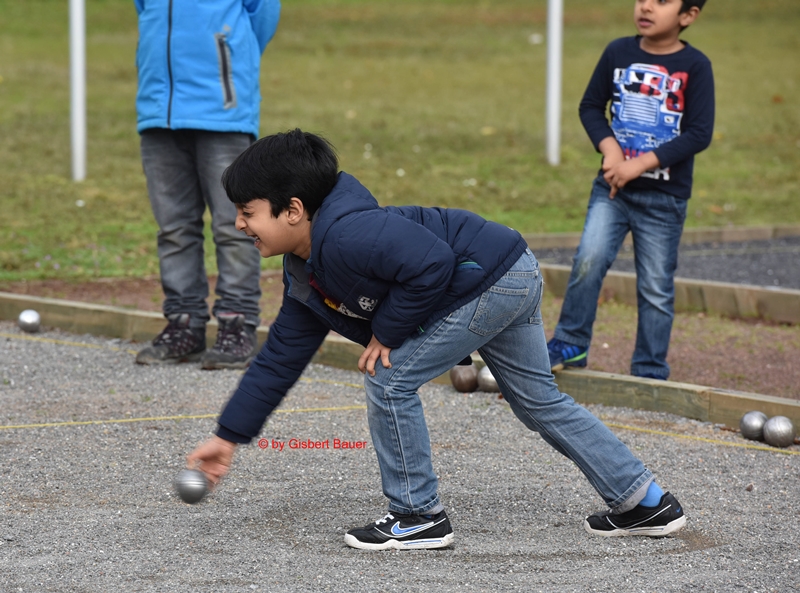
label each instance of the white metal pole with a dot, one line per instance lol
(77, 85)
(555, 30)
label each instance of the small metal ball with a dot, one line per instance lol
(29, 321)
(464, 378)
(486, 381)
(779, 431)
(751, 425)
(191, 485)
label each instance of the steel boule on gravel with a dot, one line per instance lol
(464, 378)
(191, 485)
(779, 431)
(29, 321)
(752, 425)
(486, 381)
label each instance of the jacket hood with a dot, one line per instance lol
(346, 197)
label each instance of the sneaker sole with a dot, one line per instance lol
(561, 366)
(651, 531)
(393, 544)
(188, 358)
(211, 366)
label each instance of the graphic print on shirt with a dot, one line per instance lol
(646, 110)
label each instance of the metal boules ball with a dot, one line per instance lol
(464, 378)
(191, 485)
(29, 321)
(486, 381)
(779, 431)
(751, 425)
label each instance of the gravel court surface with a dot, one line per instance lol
(774, 263)
(90, 507)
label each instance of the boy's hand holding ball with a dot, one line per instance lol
(212, 460)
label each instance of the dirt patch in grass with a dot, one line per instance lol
(744, 355)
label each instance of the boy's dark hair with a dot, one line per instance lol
(687, 4)
(279, 167)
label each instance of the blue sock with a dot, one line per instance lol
(653, 496)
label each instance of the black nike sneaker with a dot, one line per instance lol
(403, 532)
(658, 521)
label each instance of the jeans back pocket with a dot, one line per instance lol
(497, 308)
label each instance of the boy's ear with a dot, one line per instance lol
(688, 17)
(296, 212)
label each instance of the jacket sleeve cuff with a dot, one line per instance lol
(233, 437)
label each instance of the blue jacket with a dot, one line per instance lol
(384, 271)
(199, 62)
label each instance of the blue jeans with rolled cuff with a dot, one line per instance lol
(505, 325)
(655, 220)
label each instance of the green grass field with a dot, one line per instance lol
(451, 92)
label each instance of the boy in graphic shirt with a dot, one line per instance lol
(661, 94)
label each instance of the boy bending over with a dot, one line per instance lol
(420, 289)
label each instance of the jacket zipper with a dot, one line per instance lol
(169, 64)
(223, 52)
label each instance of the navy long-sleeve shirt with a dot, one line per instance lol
(659, 103)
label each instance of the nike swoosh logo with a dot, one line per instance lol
(397, 530)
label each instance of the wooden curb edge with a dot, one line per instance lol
(691, 401)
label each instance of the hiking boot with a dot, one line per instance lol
(658, 521)
(236, 344)
(566, 356)
(403, 532)
(177, 343)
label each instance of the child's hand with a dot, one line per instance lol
(370, 356)
(612, 153)
(213, 458)
(620, 174)
(612, 159)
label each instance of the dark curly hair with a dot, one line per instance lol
(277, 168)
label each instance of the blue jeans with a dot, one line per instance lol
(505, 325)
(184, 170)
(655, 219)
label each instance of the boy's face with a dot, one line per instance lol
(661, 19)
(290, 232)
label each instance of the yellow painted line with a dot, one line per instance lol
(165, 418)
(703, 439)
(330, 382)
(64, 342)
(350, 408)
(343, 408)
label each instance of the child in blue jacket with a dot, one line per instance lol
(197, 108)
(420, 289)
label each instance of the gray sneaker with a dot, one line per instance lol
(236, 344)
(177, 343)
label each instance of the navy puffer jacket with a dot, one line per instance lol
(384, 271)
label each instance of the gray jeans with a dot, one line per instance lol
(183, 170)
